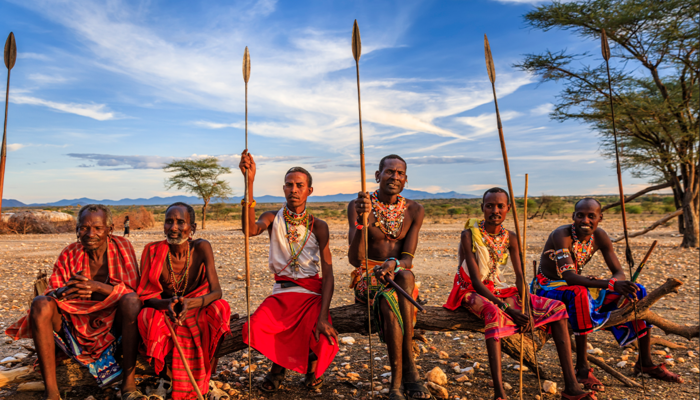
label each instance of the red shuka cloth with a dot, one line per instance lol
(198, 336)
(282, 328)
(91, 321)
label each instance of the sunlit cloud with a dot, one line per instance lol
(95, 111)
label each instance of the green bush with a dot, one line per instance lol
(669, 200)
(669, 208)
(633, 209)
(455, 211)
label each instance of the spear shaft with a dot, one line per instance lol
(357, 52)
(10, 56)
(246, 222)
(605, 49)
(524, 293)
(524, 280)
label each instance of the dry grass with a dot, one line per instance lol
(138, 219)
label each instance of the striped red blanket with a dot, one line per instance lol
(91, 321)
(198, 336)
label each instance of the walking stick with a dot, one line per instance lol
(605, 49)
(10, 58)
(524, 281)
(183, 359)
(526, 295)
(356, 52)
(403, 293)
(246, 222)
(639, 270)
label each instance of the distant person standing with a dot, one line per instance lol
(126, 226)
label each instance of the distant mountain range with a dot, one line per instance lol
(153, 201)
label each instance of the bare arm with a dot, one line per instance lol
(263, 223)
(473, 268)
(410, 243)
(323, 326)
(356, 252)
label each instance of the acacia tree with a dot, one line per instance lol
(200, 177)
(655, 74)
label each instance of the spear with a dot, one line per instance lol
(10, 58)
(524, 280)
(526, 295)
(246, 222)
(184, 360)
(605, 49)
(356, 53)
(639, 269)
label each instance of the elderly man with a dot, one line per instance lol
(89, 307)
(393, 226)
(179, 282)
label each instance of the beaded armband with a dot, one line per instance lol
(611, 284)
(564, 268)
(503, 306)
(250, 205)
(560, 254)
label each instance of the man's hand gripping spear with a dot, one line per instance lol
(525, 295)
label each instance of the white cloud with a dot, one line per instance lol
(14, 146)
(542, 109)
(33, 56)
(94, 111)
(47, 79)
(485, 124)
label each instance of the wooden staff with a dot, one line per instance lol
(246, 221)
(524, 281)
(526, 295)
(639, 269)
(403, 293)
(10, 58)
(183, 359)
(356, 53)
(605, 49)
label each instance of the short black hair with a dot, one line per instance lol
(303, 171)
(391, 157)
(495, 190)
(92, 208)
(188, 207)
(588, 199)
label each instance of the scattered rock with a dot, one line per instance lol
(507, 386)
(595, 351)
(549, 387)
(37, 386)
(347, 340)
(438, 391)
(353, 376)
(658, 352)
(443, 355)
(461, 378)
(622, 364)
(468, 371)
(436, 375)
(695, 370)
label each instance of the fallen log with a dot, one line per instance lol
(651, 227)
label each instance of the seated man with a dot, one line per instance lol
(288, 325)
(89, 307)
(179, 282)
(484, 248)
(392, 227)
(589, 300)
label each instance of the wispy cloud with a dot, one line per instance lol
(444, 160)
(99, 112)
(542, 109)
(33, 56)
(14, 146)
(47, 79)
(157, 162)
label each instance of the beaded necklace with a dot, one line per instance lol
(291, 221)
(389, 216)
(497, 244)
(179, 285)
(582, 251)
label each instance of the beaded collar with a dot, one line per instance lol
(389, 216)
(582, 251)
(497, 244)
(293, 220)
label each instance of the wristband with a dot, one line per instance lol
(358, 226)
(405, 252)
(611, 284)
(398, 264)
(503, 306)
(250, 205)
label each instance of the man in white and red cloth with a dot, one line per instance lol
(288, 325)
(179, 282)
(89, 307)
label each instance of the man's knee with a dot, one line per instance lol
(130, 305)
(43, 307)
(404, 279)
(387, 313)
(576, 293)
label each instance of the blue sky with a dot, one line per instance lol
(103, 93)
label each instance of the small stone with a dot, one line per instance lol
(438, 391)
(476, 365)
(622, 364)
(681, 359)
(625, 357)
(456, 369)
(695, 370)
(461, 378)
(467, 371)
(659, 352)
(218, 384)
(518, 366)
(537, 397)
(691, 353)
(443, 354)
(436, 375)
(669, 362)
(589, 346)
(347, 340)
(225, 386)
(507, 386)
(549, 387)
(353, 376)
(384, 391)
(595, 351)
(232, 392)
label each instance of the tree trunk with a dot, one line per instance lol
(690, 220)
(204, 213)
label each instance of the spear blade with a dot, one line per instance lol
(10, 51)
(246, 65)
(604, 47)
(356, 42)
(489, 60)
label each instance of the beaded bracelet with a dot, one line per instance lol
(250, 205)
(611, 284)
(405, 252)
(358, 226)
(564, 268)
(503, 306)
(398, 264)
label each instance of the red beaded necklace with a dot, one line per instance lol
(389, 216)
(582, 251)
(497, 244)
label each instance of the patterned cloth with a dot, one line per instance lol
(377, 291)
(90, 322)
(198, 336)
(105, 370)
(290, 318)
(590, 308)
(498, 323)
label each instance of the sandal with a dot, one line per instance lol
(583, 396)
(590, 382)
(312, 383)
(396, 394)
(658, 372)
(135, 395)
(413, 388)
(274, 380)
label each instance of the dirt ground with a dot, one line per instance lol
(435, 265)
